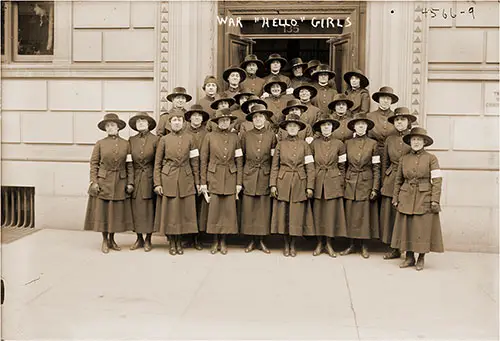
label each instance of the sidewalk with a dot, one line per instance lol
(59, 286)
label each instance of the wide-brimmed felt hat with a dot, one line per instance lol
(385, 91)
(309, 87)
(259, 109)
(293, 103)
(311, 66)
(179, 91)
(210, 79)
(215, 104)
(199, 109)
(275, 80)
(111, 117)
(244, 92)
(251, 58)
(322, 68)
(323, 118)
(363, 80)
(296, 62)
(402, 112)
(360, 117)
(418, 131)
(292, 118)
(250, 100)
(234, 68)
(276, 56)
(132, 122)
(223, 113)
(340, 98)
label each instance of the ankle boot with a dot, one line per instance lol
(409, 260)
(263, 246)
(112, 244)
(139, 243)
(215, 245)
(104, 246)
(286, 250)
(171, 246)
(420, 262)
(178, 243)
(319, 248)
(197, 244)
(392, 254)
(329, 248)
(350, 249)
(223, 246)
(364, 251)
(293, 252)
(147, 244)
(250, 247)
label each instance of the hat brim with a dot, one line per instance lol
(133, 122)
(311, 88)
(215, 103)
(267, 87)
(286, 110)
(216, 119)
(309, 70)
(316, 73)
(280, 59)
(237, 97)
(260, 63)
(317, 126)
(364, 82)
(226, 73)
(353, 121)
(267, 113)
(332, 104)
(411, 118)
(284, 123)
(377, 95)
(171, 96)
(189, 113)
(304, 66)
(121, 124)
(244, 106)
(427, 139)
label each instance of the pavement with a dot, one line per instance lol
(59, 286)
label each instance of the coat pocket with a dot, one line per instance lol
(102, 173)
(404, 187)
(367, 175)
(188, 170)
(388, 170)
(166, 169)
(266, 171)
(123, 174)
(302, 174)
(212, 167)
(281, 174)
(424, 187)
(232, 168)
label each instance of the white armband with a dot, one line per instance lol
(194, 153)
(129, 158)
(308, 159)
(238, 152)
(343, 158)
(436, 173)
(376, 159)
(272, 152)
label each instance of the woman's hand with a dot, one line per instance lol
(94, 189)
(129, 189)
(198, 189)
(395, 202)
(264, 95)
(309, 193)
(159, 190)
(289, 91)
(238, 189)
(274, 192)
(373, 195)
(435, 208)
(203, 188)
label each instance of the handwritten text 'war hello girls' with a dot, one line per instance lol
(278, 22)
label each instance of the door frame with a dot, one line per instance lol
(246, 10)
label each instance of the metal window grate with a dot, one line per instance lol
(18, 206)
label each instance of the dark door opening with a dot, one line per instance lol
(307, 49)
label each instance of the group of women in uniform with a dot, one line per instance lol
(274, 155)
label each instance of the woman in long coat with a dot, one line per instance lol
(295, 107)
(292, 185)
(305, 93)
(179, 97)
(340, 111)
(221, 178)
(328, 205)
(143, 150)
(394, 149)
(111, 182)
(197, 118)
(326, 91)
(258, 146)
(176, 175)
(362, 185)
(357, 92)
(246, 107)
(417, 192)
(276, 102)
(380, 117)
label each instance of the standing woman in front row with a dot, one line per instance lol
(143, 148)
(176, 176)
(362, 185)
(417, 192)
(292, 184)
(111, 183)
(221, 178)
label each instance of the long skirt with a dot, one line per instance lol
(362, 219)
(201, 212)
(387, 218)
(256, 215)
(292, 218)
(417, 233)
(329, 217)
(175, 215)
(222, 214)
(108, 215)
(143, 211)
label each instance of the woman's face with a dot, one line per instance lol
(417, 143)
(224, 123)
(275, 90)
(234, 78)
(384, 102)
(355, 81)
(304, 95)
(401, 123)
(295, 111)
(341, 107)
(179, 101)
(297, 71)
(211, 89)
(258, 120)
(196, 119)
(326, 128)
(275, 66)
(323, 78)
(142, 125)
(176, 123)
(111, 128)
(360, 128)
(223, 105)
(292, 129)
(251, 68)
(243, 99)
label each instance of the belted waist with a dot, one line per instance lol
(289, 169)
(257, 164)
(112, 169)
(416, 181)
(148, 166)
(350, 170)
(175, 164)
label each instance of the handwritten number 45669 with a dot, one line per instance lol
(434, 12)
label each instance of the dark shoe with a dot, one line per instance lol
(286, 250)
(139, 243)
(263, 247)
(172, 250)
(392, 254)
(348, 251)
(215, 248)
(180, 250)
(364, 251)
(147, 246)
(420, 263)
(250, 247)
(223, 247)
(197, 244)
(293, 252)
(409, 261)
(104, 247)
(113, 246)
(319, 248)
(331, 252)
